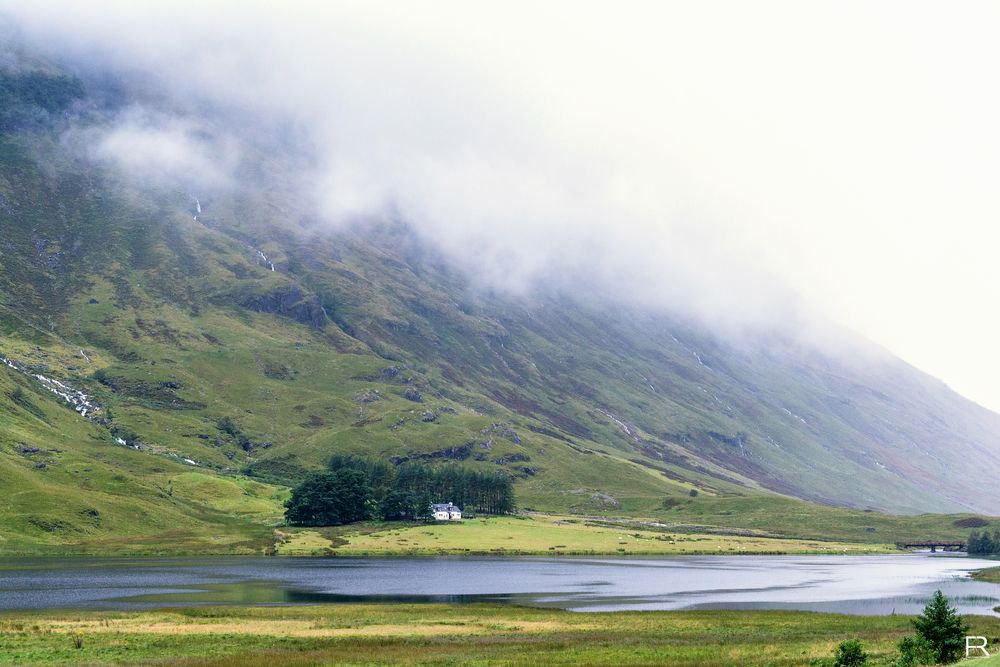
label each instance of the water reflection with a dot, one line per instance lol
(848, 584)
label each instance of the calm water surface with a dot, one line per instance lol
(848, 584)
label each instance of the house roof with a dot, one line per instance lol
(445, 507)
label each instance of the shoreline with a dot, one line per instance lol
(525, 535)
(73, 556)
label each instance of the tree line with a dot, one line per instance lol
(356, 488)
(984, 543)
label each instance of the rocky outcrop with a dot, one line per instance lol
(511, 458)
(503, 430)
(367, 396)
(457, 453)
(289, 301)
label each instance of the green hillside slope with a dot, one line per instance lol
(243, 342)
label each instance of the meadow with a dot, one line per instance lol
(542, 534)
(991, 574)
(362, 634)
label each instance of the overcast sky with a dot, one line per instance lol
(726, 158)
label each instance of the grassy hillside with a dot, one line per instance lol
(235, 348)
(66, 485)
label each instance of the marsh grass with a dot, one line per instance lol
(544, 534)
(433, 634)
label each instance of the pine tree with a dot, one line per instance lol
(474, 491)
(423, 511)
(943, 628)
(329, 499)
(974, 545)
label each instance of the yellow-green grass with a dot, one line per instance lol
(236, 495)
(303, 542)
(357, 634)
(991, 574)
(539, 534)
(68, 488)
(789, 517)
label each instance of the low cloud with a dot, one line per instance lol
(745, 164)
(164, 150)
(524, 161)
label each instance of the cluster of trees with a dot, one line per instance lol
(939, 640)
(357, 488)
(329, 499)
(984, 543)
(486, 492)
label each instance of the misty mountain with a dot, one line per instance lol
(221, 326)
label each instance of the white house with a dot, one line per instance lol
(446, 512)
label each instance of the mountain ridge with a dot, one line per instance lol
(176, 313)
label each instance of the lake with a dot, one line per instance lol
(868, 585)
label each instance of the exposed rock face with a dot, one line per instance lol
(504, 431)
(368, 396)
(289, 301)
(511, 458)
(457, 453)
(604, 499)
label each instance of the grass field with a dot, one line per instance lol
(442, 634)
(539, 534)
(788, 517)
(990, 574)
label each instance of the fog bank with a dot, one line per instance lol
(748, 165)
